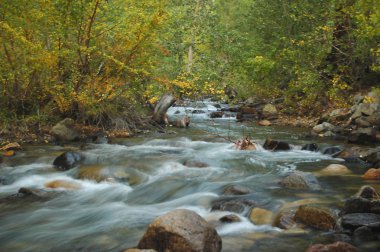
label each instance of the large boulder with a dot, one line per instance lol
(300, 180)
(64, 131)
(183, 231)
(316, 217)
(68, 160)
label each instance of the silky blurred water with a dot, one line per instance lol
(137, 179)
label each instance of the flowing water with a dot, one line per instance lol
(122, 186)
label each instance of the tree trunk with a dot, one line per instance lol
(159, 114)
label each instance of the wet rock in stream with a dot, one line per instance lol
(236, 205)
(68, 160)
(230, 218)
(335, 247)
(25, 194)
(300, 180)
(181, 230)
(316, 217)
(236, 190)
(274, 145)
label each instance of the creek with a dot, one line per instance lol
(122, 186)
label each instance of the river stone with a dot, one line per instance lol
(11, 147)
(316, 217)
(217, 114)
(264, 123)
(230, 218)
(372, 156)
(367, 192)
(361, 205)
(71, 185)
(64, 131)
(335, 169)
(362, 122)
(335, 247)
(140, 250)
(274, 145)
(235, 205)
(332, 150)
(363, 234)
(270, 111)
(237, 190)
(300, 180)
(183, 231)
(195, 163)
(363, 136)
(260, 216)
(355, 220)
(310, 147)
(285, 220)
(27, 194)
(372, 174)
(323, 127)
(67, 160)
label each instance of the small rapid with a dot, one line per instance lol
(107, 202)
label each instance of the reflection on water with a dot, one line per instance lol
(106, 203)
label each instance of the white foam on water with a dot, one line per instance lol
(244, 226)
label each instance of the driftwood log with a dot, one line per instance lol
(159, 114)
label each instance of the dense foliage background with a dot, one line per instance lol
(95, 59)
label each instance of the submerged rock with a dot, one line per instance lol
(285, 219)
(236, 190)
(68, 160)
(300, 180)
(27, 194)
(236, 205)
(316, 217)
(335, 247)
(183, 231)
(195, 163)
(260, 216)
(71, 185)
